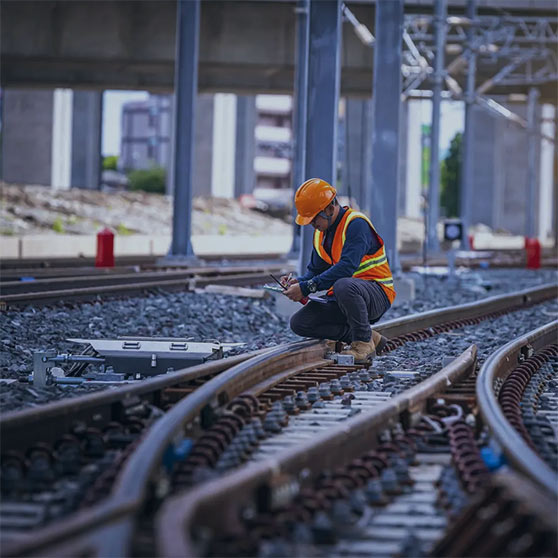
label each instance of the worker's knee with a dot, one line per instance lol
(298, 324)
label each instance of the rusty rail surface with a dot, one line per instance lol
(222, 499)
(498, 367)
(90, 528)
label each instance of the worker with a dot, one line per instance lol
(349, 261)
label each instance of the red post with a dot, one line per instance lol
(471, 242)
(533, 249)
(105, 249)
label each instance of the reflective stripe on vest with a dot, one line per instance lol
(372, 267)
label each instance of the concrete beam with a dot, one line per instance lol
(246, 47)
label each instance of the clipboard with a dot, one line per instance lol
(274, 288)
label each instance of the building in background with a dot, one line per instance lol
(146, 133)
(263, 149)
(272, 163)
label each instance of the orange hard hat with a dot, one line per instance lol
(312, 196)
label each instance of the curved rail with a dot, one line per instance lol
(52, 420)
(117, 514)
(130, 489)
(499, 366)
(225, 497)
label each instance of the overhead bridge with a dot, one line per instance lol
(245, 46)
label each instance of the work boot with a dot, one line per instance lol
(379, 342)
(365, 351)
(362, 351)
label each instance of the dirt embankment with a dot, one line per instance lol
(42, 210)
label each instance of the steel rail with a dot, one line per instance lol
(225, 497)
(130, 287)
(498, 258)
(58, 283)
(53, 417)
(23, 274)
(498, 366)
(52, 420)
(471, 310)
(127, 494)
(141, 260)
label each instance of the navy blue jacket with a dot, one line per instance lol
(359, 240)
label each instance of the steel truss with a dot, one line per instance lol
(529, 43)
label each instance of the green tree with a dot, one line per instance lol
(150, 180)
(110, 162)
(450, 178)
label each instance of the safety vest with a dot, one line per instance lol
(373, 267)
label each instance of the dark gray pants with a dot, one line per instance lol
(358, 303)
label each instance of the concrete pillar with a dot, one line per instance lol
(533, 162)
(86, 139)
(547, 200)
(27, 136)
(244, 175)
(403, 147)
(203, 144)
(486, 188)
(413, 184)
(357, 148)
(224, 139)
(386, 101)
(499, 193)
(61, 153)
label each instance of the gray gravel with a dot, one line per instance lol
(203, 316)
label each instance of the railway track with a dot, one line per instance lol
(518, 399)
(239, 405)
(16, 269)
(404, 480)
(49, 290)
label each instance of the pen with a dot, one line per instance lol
(277, 281)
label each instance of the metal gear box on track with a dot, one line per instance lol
(151, 356)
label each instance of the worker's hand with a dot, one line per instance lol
(294, 292)
(288, 280)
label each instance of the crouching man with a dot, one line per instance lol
(349, 260)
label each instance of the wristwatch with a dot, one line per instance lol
(312, 287)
